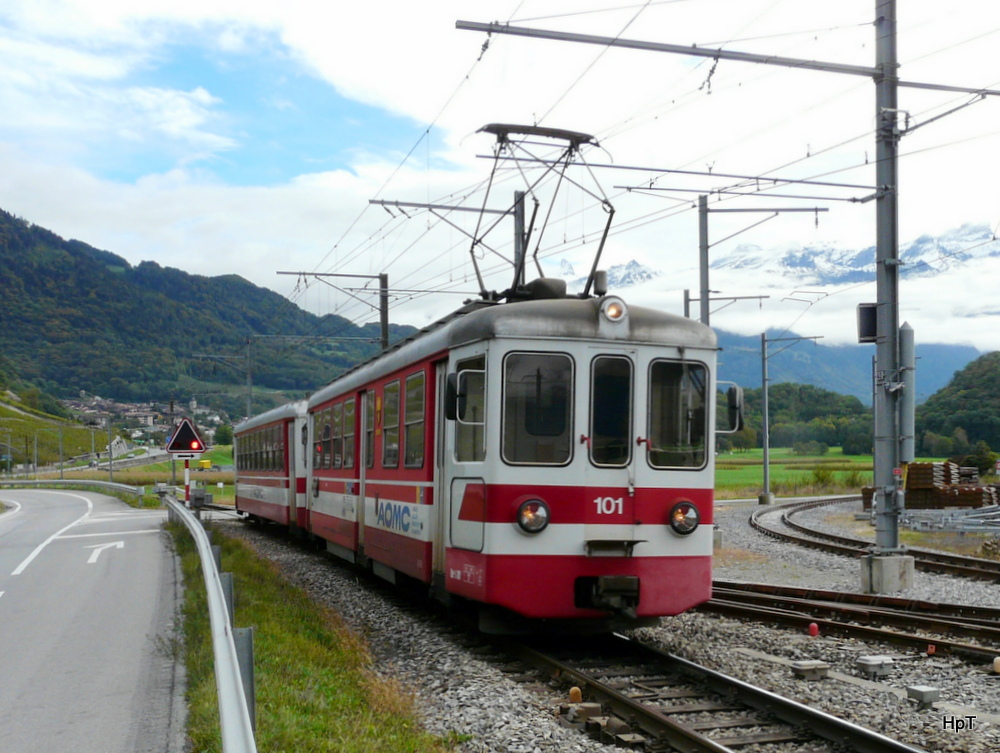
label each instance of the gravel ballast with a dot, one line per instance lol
(461, 691)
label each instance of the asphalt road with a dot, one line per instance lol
(89, 592)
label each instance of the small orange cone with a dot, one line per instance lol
(575, 695)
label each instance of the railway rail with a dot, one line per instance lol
(927, 560)
(924, 624)
(636, 696)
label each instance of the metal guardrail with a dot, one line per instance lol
(138, 491)
(234, 714)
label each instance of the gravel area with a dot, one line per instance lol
(459, 690)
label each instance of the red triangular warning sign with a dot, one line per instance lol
(185, 438)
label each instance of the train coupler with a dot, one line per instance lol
(616, 593)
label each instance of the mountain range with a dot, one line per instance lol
(833, 265)
(73, 317)
(846, 369)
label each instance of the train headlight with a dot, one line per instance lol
(684, 518)
(533, 516)
(613, 309)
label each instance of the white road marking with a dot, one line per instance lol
(50, 539)
(98, 548)
(108, 533)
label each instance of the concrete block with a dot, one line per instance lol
(885, 574)
(924, 695)
(811, 669)
(875, 666)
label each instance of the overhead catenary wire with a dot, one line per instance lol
(399, 256)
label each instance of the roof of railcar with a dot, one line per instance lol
(282, 412)
(562, 318)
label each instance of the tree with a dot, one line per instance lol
(982, 458)
(224, 434)
(744, 439)
(857, 443)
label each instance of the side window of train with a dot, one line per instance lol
(678, 414)
(304, 438)
(390, 426)
(610, 411)
(327, 438)
(370, 429)
(337, 443)
(317, 432)
(537, 408)
(349, 433)
(413, 421)
(470, 421)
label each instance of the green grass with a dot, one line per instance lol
(316, 690)
(741, 475)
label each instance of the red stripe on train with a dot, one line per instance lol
(543, 586)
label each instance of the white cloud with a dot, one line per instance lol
(62, 64)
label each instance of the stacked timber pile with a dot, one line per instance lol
(968, 475)
(934, 486)
(967, 496)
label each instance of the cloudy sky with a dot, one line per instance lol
(247, 137)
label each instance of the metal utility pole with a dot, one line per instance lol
(888, 499)
(704, 246)
(766, 498)
(383, 295)
(880, 573)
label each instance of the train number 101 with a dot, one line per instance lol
(608, 505)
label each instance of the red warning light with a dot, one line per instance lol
(185, 439)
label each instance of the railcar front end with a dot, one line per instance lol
(578, 461)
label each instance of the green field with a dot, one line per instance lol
(741, 475)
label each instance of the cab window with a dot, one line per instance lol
(537, 408)
(678, 415)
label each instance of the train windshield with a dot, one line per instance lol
(678, 415)
(537, 408)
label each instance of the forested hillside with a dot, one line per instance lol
(73, 318)
(966, 411)
(800, 413)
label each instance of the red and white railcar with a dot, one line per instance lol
(548, 458)
(270, 454)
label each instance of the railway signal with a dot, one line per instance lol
(185, 444)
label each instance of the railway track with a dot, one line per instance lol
(636, 696)
(927, 560)
(915, 625)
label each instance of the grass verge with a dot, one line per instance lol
(316, 690)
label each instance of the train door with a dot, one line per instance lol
(366, 456)
(465, 455)
(291, 470)
(440, 533)
(612, 451)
